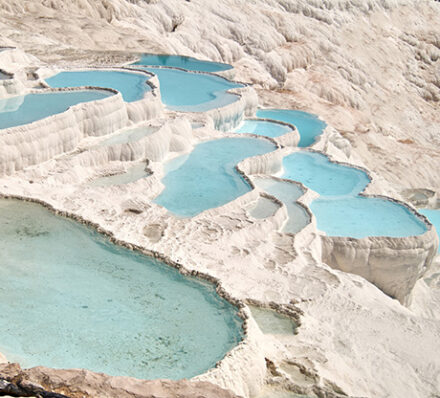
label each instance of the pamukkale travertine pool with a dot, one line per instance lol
(206, 177)
(433, 215)
(23, 109)
(178, 61)
(71, 299)
(262, 127)
(309, 126)
(193, 92)
(131, 85)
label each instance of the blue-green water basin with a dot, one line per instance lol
(131, 85)
(309, 126)
(434, 217)
(71, 299)
(178, 61)
(20, 110)
(317, 172)
(359, 217)
(263, 127)
(206, 177)
(193, 92)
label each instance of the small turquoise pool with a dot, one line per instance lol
(131, 85)
(309, 126)
(16, 111)
(193, 92)
(288, 193)
(263, 127)
(359, 217)
(178, 61)
(207, 178)
(71, 299)
(434, 217)
(317, 172)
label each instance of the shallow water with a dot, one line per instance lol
(263, 127)
(287, 193)
(131, 85)
(16, 111)
(309, 126)
(179, 61)
(126, 136)
(71, 299)
(131, 175)
(317, 172)
(193, 92)
(434, 217)
(359, 217)
(206, 178)
(263, 208)
(271, 322)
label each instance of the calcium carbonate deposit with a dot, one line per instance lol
(259, 187)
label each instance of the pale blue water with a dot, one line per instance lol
(263, 208)
(326, 178)
(271, 322)
(193, 92)
(206, 178)
(71, 299)
(263, 127)
(288, 193)
(133, 174)
(16, 111)
(308, 125)
(131, 85)
(359, 217)
(434, 217)
(179, 61)
(131, 135)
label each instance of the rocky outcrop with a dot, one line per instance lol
(53, 383)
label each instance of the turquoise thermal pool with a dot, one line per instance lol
(317, 172)
(131, 85)
(71, 299)
(434, 217)
(339, 210)
(178, 61)
(207, 178)
(288, 193)
(193, 92)
(309, 126)
(263, 127)
(16, 111)
(359, 217)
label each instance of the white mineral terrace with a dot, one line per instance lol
(368, 310)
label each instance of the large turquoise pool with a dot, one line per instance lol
(16, 111)
(131, 85)
(359, 217)
(193, 92)
(178, 61)
(71, 299)
(207, 178)
(309, 126)
(317, 172)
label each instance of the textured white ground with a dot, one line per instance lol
(370, 69)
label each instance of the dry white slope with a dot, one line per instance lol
(371, 69)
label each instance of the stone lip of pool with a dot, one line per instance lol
(25, 109)
(309, 126)
(193, 91)
(433, 217)
(40, 225)
(131, 83)
(179, 61)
